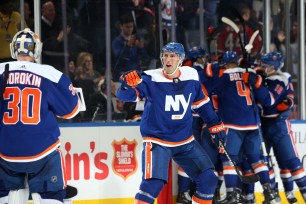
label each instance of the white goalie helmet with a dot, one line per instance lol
(26, 43)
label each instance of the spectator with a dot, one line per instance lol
(27, 16)
(53, 38)
(86, 77)
(9, 26)
(85, 60)
(128, 49)
(98, 101)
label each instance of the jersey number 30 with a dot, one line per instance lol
(23, 105)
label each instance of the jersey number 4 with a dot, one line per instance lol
(244, 91)
(23, 105)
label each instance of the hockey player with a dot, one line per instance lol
(196, 58)
(235, 107)
(29, 133)
(276, 126)
(171, 93)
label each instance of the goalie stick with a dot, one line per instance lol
(245, 179)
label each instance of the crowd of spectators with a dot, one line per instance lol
(135, 39)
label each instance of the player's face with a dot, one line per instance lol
(170, 61)
(268, 69)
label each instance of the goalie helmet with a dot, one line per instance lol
(177, 48)
(196, 52)
(229, 57)
(274, 59)
(26, 43)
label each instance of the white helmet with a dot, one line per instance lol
(26, 43)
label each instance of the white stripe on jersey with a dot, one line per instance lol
(188, 73)
(43, 70)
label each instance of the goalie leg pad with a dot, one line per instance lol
(19, 196)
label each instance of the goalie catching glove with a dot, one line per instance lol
(130, 79)
(217, 132)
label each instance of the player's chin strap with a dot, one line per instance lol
(177, 67)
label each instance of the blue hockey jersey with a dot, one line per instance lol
(235, 105)
(167, 117)
(34, 94)
(281, 86)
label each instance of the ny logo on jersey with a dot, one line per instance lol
(174, 103)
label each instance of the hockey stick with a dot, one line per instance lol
(245, 179)
(6, 72)
(236, 29)
(243, 49)
(249, 46)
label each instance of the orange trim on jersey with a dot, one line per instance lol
(63, 168)
(292, 137)
(247, 127)
(167, 143)
(180, 169)
(32, 157)
(259, 166)
(230, 168)
(72, 113)
(200, 201)
(249, 174)
(137, 93)
(258, 81)
(148, 160)
(286, 171)
(221, 72)
(165, 75)
(200, 101)
(208, 70)
(297, 172)
(204, 90)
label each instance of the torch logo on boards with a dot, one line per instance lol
(124, 161)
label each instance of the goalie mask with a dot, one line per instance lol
(273, 59)
(26, 43)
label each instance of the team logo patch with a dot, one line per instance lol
(54, 179)
(124, 162)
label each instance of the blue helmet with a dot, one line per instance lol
(177, 48)
(26, 43)
(229, 57)
(195, 52)
(274, 59)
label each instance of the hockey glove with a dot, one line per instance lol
(252, 79)
(130, 79)
(217, 132)
(286, 104)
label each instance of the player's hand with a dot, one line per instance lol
(130, 79)
(217, 132)
(284, 105)
(252, 79)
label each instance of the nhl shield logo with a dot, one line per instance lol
(124, 161)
